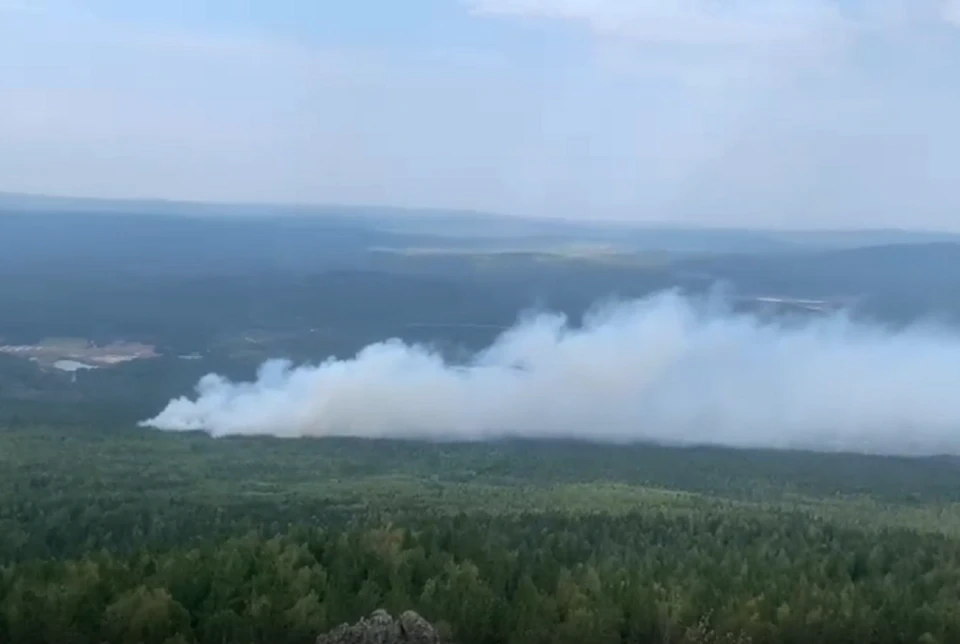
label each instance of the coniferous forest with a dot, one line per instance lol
(135, 536)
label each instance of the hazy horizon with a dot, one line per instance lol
(286, 208)
(834, 114)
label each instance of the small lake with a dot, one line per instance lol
(71, 365)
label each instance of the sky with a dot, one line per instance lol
(774, 113)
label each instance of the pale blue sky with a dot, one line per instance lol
(769, 112)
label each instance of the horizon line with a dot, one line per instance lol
(462, 212)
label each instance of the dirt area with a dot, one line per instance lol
(52, 351)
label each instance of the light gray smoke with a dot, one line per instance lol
(666, 369)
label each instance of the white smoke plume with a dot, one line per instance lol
(666, 369)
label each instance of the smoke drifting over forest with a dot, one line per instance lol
(666, 369)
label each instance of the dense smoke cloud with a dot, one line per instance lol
(667, 369)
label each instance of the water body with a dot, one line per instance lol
(71, 366)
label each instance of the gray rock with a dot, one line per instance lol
(381, 628)
(417, 630)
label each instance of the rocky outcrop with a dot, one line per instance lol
(381, 628)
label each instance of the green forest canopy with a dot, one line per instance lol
(134, 536)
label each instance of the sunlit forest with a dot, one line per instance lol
(128, 535)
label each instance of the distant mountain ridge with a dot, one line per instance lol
(11, 202)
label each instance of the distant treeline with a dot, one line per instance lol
(385, 295)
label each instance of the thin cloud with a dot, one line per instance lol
(690, 23)
(727, 22)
